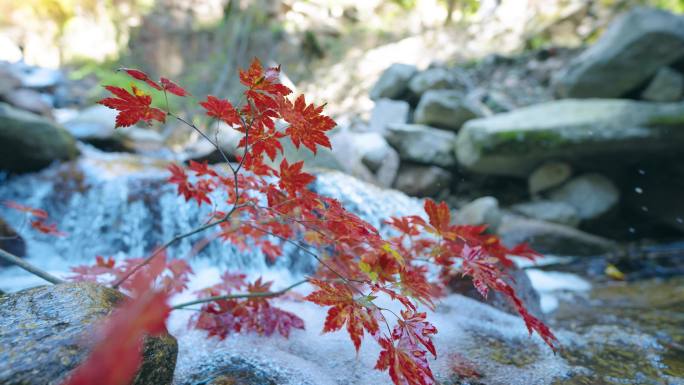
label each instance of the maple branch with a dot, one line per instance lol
(344, 279)
(237, 296)
(13, 259)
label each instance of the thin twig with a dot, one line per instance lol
(344, 279)
(171, 242)
(13, 259)
(237, 296)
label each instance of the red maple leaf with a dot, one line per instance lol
(439, 216)
(413, 329)
(173, 88)
(38, 213)
(139, 75)
(307, 125)
(406, 366)
(222, 110)
(132, 107)
(292, 179)
(345, 310)
(255, 78)
(49, 229)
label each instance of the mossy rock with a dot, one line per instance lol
(29, 142)
(43, 335)
(575, 131)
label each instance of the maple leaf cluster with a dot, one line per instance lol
(251, 314)
(38, 219)
(265, 205)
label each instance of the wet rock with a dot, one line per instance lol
(231, 370)
(437, 78)
(9, 81)
(548, 175)
(29, 100)
(29, 142)
(366, 156)
(41, 78)
(42, 335)
(577, 131)
(551, 238)
(592, 195)
(666, 86)
(631, 50)
(556, 212)
(423, 144)
(388, 112)
(422, 181)
(518, 279)
(95, 125)
(446, 109)
(393, 83)
(481, 211)
(11, 242)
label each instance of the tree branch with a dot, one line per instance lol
(237, 296)
(13, 259)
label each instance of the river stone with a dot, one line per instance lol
(366, 155)
(9, 80)
(30, 100)
(388, 112)
(630, 52)
(29, 142)
(550, 211)
(42, 335)
(95, 125)
(481, 211)
(393, 83)
(422, 181)
(666, 86)
(434, 79)
(551, 238)
(592, 195)
(516, 142)
(447, 109)
(423, 144)
(11, 242)
(548, 175)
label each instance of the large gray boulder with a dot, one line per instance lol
(43, 335)
(393, 83)
(516, 142)
(423, 144)
(631, 50)
(29, 142)
(447, 109)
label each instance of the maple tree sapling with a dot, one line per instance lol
(264, 206)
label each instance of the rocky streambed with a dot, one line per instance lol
(577, 152)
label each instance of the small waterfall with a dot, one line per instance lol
(115, 204)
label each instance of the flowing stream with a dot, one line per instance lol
(119, 205)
